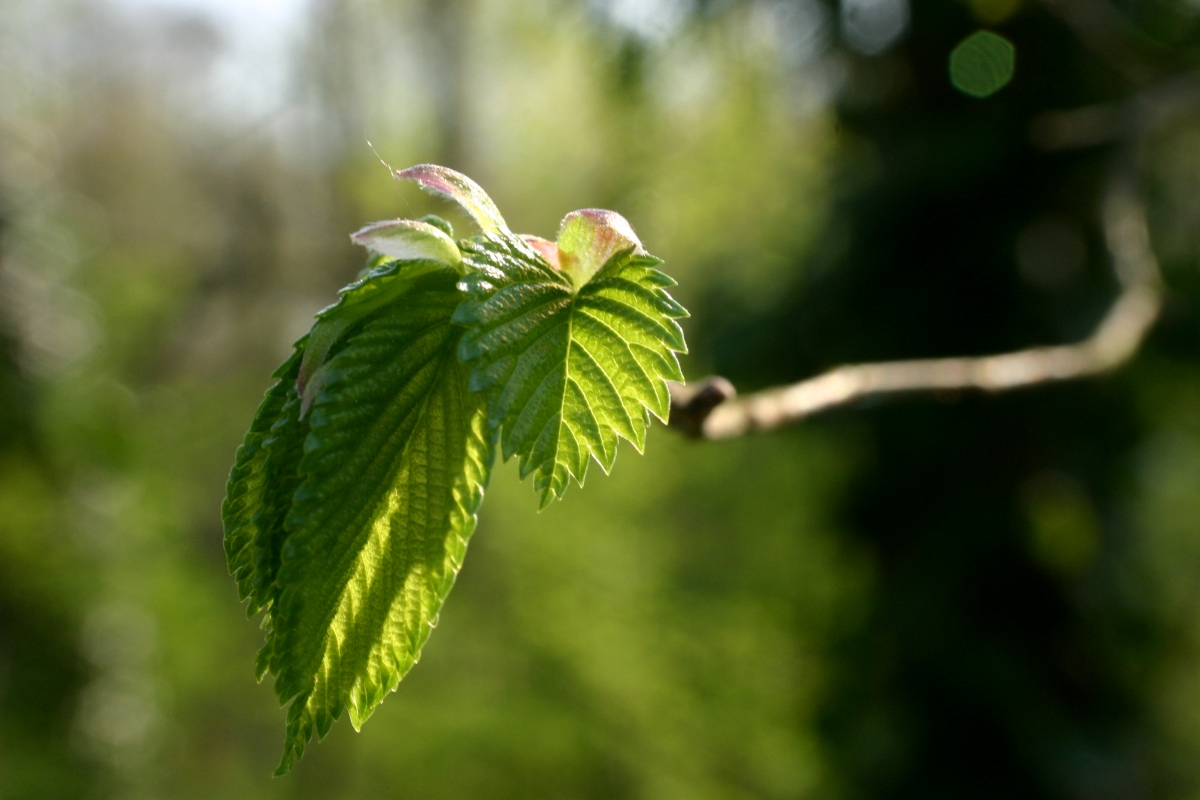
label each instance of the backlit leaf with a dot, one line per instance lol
(408, 240)
(588, 238)
(380, 504)
(380, 286)
(567, 372)
(445, 182)
(352, 499)
(261, 485)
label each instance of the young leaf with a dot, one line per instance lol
(445, 182)
(408, 240)
(588, 238)
(568, 371)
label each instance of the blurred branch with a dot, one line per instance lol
(710, 410)
(1111, 122)
(1104, 30)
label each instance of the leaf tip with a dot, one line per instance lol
(288, 760)
(452, 185)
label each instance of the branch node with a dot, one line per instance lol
(691, 404)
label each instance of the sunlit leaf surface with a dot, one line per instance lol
(394, 462)
(568, 372)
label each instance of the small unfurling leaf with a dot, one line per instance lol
(455, 186)
(587, 239)
(408, 240)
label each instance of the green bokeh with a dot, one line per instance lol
(982, 64)
(953, 596)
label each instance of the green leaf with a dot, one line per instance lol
(350, 525)
(408, 240)
(260, 488)
(393, 472)
(426, 254)
(352, 499)
(567, 371)
(588, 238)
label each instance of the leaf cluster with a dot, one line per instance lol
(355, 492)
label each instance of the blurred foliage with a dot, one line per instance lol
(962, 595)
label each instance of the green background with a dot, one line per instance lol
(933, 596)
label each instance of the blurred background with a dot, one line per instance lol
(952, 595)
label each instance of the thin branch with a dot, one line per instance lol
(710, 411)
(1106, 123)
(1102, 28)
